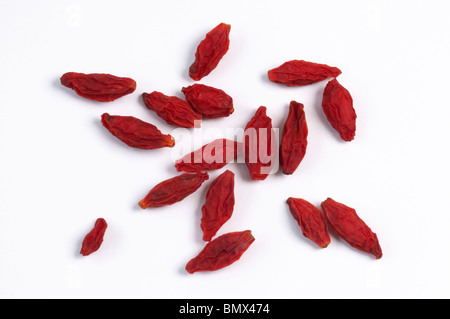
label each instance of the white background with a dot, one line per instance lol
(60, 169)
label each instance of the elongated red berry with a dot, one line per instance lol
(211, 156)
(210, 51)
(98, 86)
(311, 221)
(172, 109)
(94, 239)
(219, 204)
(209, 101)
(173, 190)
(135, 132)
(221, 252)
(350, 227)
(337, 105)
(259, 145)
(294, 139)
(300, 72)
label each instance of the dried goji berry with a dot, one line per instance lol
(94, 239)
(221, 252)
(219, 205)
(211, 156)
(294, 139)
(173, 190)
(172, 109)
(210, 51)
(351, 228)
(136, 133)
(311, 221)
(299, 73)
(337, 105)
(98, 86)
(259, 143)
(208, 101)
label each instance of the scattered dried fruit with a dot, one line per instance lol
(259, 146)
(98, 86)
(351, 228)
(135, 132)
(299, 73)
(221, 252)
(338, 107)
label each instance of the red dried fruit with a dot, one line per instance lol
(219, 205)
(97, 86)
(172, 109)
(351, 228)
(337, 104)
(259, 143)
(210, 51)
(208, 101)
(136, 133)
(221, 252)
(294, 139)
(173, 190)
(299, 73)
(311, 221)
(94, 239)
(211, 156)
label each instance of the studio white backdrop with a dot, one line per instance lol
(61, 170)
